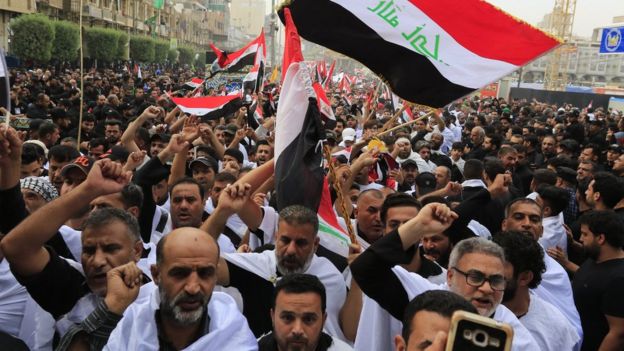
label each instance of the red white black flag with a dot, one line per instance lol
(429, 52)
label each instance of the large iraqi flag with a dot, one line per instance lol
(429, 52)
(298, 129)
(299, 176)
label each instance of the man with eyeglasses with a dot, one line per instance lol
(476, 271)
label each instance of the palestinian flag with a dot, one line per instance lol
(234, 61)
(298, 130)
(209, 107)
(430, 52)
(194, 83)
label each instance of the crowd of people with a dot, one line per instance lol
(139, 227)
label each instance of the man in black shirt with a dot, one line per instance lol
(598, 284)
(110, 239)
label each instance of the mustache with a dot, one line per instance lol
(186, 297)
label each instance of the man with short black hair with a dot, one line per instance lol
(553, 201)
(604, 191)
(599, 283)
(427, 320)
(524, 266)
(253, 274)
(473, 263)
(298, 314)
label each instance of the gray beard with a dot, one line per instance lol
(169, 308)
(286, 271)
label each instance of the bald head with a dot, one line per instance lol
(187, 242)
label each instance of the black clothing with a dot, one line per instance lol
(598, 289)
(373, 272)
(268, 343)
(476, 153)
(165, 343)
(258, 295)
(146, 176)
(13, 211)
(58, 287)
(36, 112)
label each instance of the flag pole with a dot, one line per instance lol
(340, 198)
(80, 112)
(405, 124)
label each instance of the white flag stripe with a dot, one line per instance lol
(293, 101)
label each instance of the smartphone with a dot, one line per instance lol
(472, 332)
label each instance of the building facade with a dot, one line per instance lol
(191, 22)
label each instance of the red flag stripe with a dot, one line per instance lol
(528, 42)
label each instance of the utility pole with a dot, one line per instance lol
(273, 33)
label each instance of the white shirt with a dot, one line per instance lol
(554, 234)
(549, 327)
(415, 285)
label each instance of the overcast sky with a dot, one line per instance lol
(590, 14)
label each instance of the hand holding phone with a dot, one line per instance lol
(472, 332)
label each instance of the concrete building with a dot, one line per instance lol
(248, 15)
(185, 21)
(585, 66)
(10, 9)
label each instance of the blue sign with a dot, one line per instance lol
(612, 41)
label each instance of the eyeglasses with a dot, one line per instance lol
(476, 279)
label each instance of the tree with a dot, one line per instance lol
(141, 49)
(161, 51)
(123, 46)
(172, 56)
(200, 59)
(186, 55)
(66, 41)
(33, 36)
(101, 43)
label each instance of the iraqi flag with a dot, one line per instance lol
(209, 107)
(298, 130)
(234, 61)
(194, 83)
(332, 236)
(252, 82)
(430, 52)
(328, 78)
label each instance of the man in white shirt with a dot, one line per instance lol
(523, 270)
(476, 271)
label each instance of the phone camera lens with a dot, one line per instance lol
(480, 338)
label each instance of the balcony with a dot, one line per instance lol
(92, 10)
(107, 15)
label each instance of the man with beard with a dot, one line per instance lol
(524, 265)
(598, 283)
(298, 315)
(184, 312)
(111, 245)
(525, 215)
(409, 171)
(476, 271)
(112, 131)
(264, 152)
(254, 274)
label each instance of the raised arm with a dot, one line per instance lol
(23, 246)
(127, 138)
